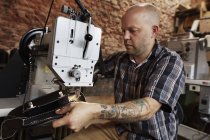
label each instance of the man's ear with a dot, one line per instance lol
(155, 30)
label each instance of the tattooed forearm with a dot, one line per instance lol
(129, 111)
(142, 104)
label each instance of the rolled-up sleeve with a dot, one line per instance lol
(167, 80)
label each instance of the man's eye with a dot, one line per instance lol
(130, 31)
(133, 30)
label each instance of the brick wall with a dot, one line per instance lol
(18, 16)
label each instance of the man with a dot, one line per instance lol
(148, 83)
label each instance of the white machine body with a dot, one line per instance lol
(67, 57)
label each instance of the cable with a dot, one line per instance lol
(48, 15)
(45, 24)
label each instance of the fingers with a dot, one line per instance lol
(65, 121)
(65, 109)
(61, 122)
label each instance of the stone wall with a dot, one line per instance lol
(19, 16)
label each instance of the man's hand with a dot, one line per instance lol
(82, 114)
(78, 115)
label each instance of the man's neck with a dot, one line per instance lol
(140, 59)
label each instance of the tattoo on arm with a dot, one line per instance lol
(128, 111)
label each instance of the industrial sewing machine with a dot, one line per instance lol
(58, 62)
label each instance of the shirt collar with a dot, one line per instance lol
(155, 51)
(133, 60)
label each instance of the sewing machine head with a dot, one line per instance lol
(74, 51)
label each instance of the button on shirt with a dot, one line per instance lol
(160, 77)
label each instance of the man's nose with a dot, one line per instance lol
(126, 35)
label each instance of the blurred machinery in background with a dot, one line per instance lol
(195, 52)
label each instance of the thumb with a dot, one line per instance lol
(66, 108)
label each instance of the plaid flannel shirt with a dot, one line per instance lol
(160, 77)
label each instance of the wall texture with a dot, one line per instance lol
(19, 16)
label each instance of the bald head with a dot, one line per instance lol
(140, 26)
(151, 14)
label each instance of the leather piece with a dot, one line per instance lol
(43, 111)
